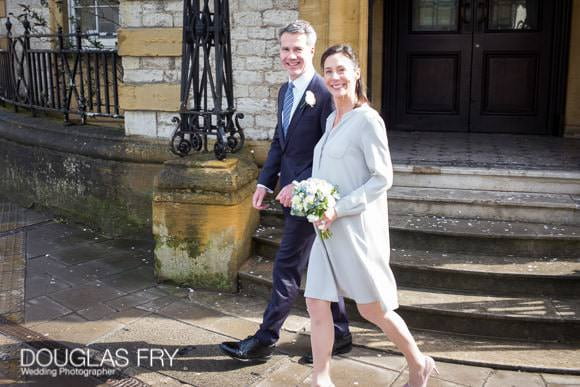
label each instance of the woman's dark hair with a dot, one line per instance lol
(347, 51)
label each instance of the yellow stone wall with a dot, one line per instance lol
(338, 21)
(150, 96)
(150, 42)
(58, 15)
(572, 118)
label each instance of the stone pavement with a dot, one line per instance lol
(82, 290)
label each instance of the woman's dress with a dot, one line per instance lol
(354, 262)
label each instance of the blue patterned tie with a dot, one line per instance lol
(287, 109)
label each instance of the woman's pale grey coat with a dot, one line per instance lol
(354, 262)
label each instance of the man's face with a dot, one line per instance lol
(295, 54)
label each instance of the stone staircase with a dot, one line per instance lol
(473, 255)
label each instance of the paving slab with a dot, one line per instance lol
(346, 372)
(288, 373)
(203, 365)
(248, 307)
(100, 268)
(52, 237)
(74, 331)
(561, 380)
(13, 217)
(137, 298)
(43, 284)
(515, 379)
(434, 381)
(78, 298)
(96, 312)
(42, 309)
(80, 252)
(132, 280)
(141, 245)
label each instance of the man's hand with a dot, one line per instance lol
(327, 219)
(285, 195)
(258, 198)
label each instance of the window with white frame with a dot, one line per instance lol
(99, 17)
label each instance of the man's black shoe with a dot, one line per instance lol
(341, 346)
(249, 349)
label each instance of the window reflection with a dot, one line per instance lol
(513, 15)
(434, 15)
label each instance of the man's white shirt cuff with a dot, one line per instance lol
(263, 186)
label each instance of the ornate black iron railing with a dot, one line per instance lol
(207, 98)
(66, 77)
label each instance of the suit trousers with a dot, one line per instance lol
(290, 262)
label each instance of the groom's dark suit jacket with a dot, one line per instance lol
(291, 155)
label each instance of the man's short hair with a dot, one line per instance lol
(300, 27)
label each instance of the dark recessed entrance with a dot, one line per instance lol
(473, 66)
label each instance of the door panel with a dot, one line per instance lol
(433, 83)
(510, 83)
(510, 71)
(480, 66)
(433, 67)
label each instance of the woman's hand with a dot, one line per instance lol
(327, 219)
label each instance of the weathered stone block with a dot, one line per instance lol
(165, 125)
(279, 18)
(142, 123)
(253, 105)
(156, 97)
(157, 20)
(203, 220)
(255, 48)
(131, 63)
(130, 14)
(174, 6)
(251, 19)
(259, 63)
(254, 5)
(259, 92)
(275, 77)
(142, 76)
(248, 77)
(286, 4)
(149, 41)
(267, 33)
(157, 63)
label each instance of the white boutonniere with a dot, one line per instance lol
(310, 99)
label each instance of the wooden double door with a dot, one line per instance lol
(473, 66)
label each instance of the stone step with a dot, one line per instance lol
(522, 318)
(456, 235)
(491, 179)
(480, 204)
(488, 274)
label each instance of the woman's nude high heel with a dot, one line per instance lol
(429, 368)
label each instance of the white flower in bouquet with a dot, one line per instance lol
(312, 198)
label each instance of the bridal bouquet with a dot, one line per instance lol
(312, 198)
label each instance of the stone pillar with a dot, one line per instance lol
(203, 220)
(150, 47)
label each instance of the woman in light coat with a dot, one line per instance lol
(353, 155)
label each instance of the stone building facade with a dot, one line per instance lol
(257, 73)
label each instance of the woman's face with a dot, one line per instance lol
(340, 75)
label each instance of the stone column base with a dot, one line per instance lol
(203, 220)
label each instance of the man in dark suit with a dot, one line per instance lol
(304, 103)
